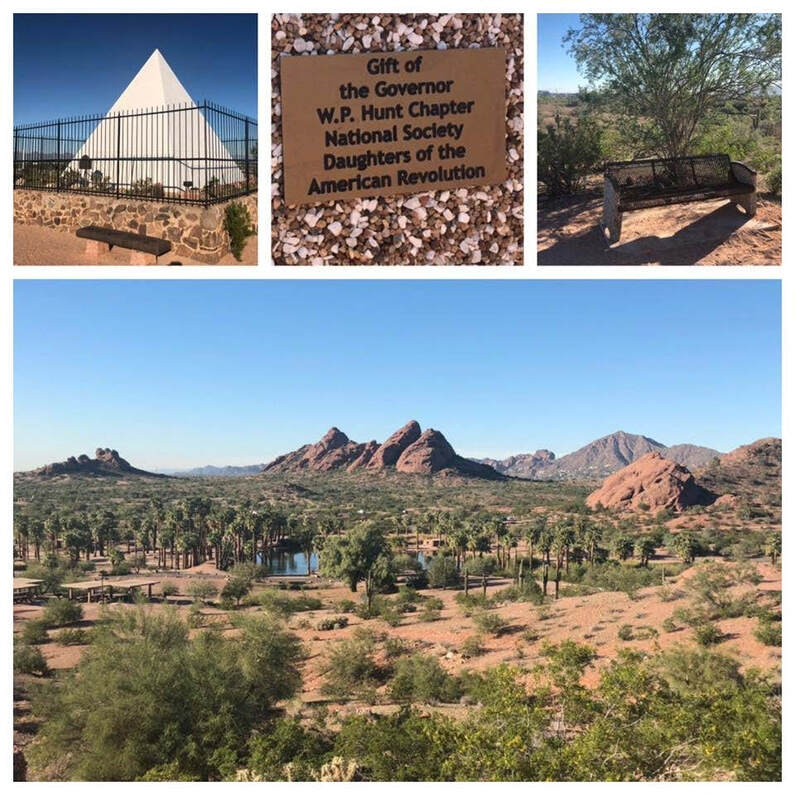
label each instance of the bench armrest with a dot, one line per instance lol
(744, 174)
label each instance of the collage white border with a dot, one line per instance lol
(265, 270)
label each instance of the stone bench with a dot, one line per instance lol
(657, 182)
(144, 250)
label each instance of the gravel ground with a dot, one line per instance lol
(477, 226)
(38, 245)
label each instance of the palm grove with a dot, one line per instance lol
(214, 696)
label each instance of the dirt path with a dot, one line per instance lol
(38, 245)
(701, 233)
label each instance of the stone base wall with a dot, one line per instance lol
(194, 232)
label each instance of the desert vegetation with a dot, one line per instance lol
(503, 627)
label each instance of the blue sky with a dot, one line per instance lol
(180, 373)
(557, 70)
(72, 64)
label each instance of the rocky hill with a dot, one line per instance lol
(751, 472)
(650, 483)
(106, 463)
(408, 450)
(599, 458)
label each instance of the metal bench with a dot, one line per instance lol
(637, 184)
(144, 250)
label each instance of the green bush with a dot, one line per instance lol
(625, 632)
(708, 634)
(421, 678)
(35, 632)
(773, 180)
(442, 572)
(202, 590)
(60, 612)
(491, 623)
(29, 660)
(768, 632)
(168, 588)
(72, 637)
(237, 222)
(472, 646)
(567, 153)
(352, 667)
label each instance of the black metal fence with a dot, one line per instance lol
(194, 154)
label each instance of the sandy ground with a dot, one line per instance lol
(594, 619)
(38, 245)
(713, 232)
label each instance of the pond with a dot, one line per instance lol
(293, 564)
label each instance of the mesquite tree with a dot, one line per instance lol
(665, 74)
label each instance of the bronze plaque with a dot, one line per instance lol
(393, 122)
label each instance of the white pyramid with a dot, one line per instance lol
(180, 135)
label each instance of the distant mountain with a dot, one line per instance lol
(408, 450)
(106, 463)
(210, 471)
(751, 473)
(599, 458)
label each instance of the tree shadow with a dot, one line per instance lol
(688, 246)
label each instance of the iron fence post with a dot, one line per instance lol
(247, 179)
(16, 156)
(58, 160)
(118, 151)
(206, 168)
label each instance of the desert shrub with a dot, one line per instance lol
(284, 744)
(430, 613)
(345, 606)
(351, 666)
(196, 619)
(338, 622)
(202, 590)
(567, 153)
(472, 646)
(530, 635)
(29, 660)
(60, 612)
(284, 604)
(773, 180)
(420, 677)
(237, 222)
(168, 588)
(528, 591)
(625, 632)
(72, 637)
(491, 623)
(669, 625)
(472, 601)
(707, 633)
(35, 632)
(442, 572)
(768, 632)
(235, 588)
(106, 720)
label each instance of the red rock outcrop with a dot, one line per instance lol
(390, 451)
(106, 462)
(407, 450)
(366, 456)
(651, 481)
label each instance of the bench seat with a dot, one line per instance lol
(658, 182)
(146, 245)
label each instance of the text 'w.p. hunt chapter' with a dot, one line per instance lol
(392, 122)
